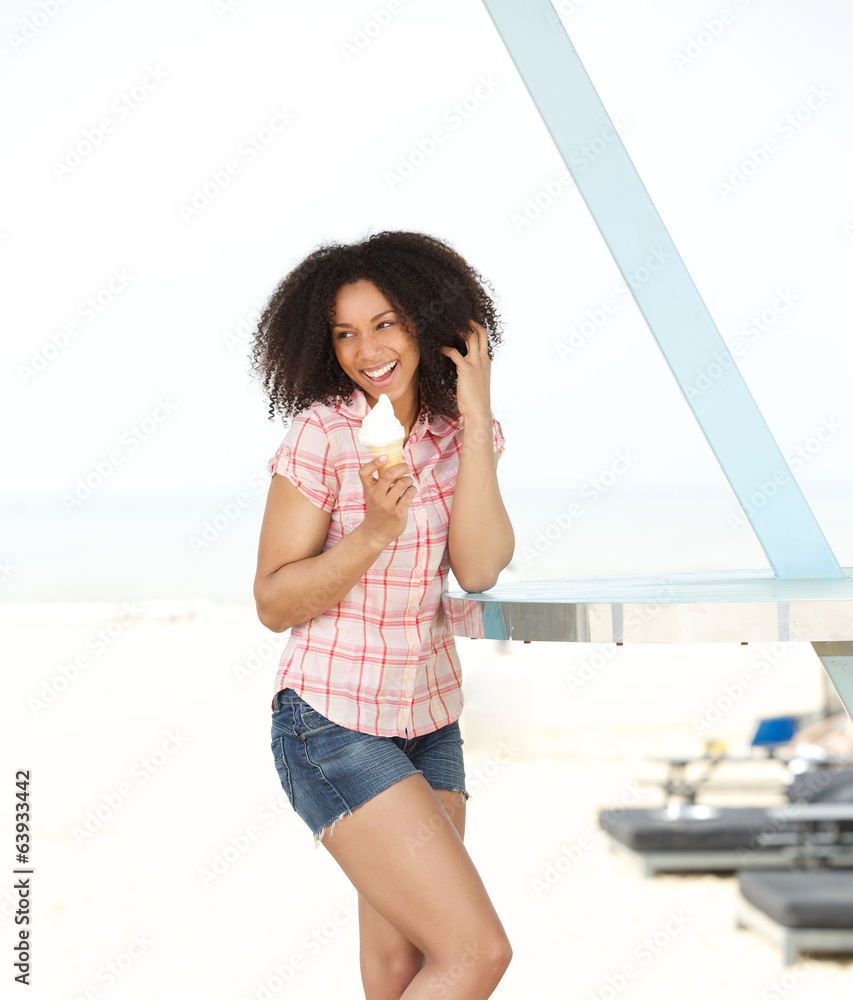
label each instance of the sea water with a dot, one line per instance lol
(165, 548)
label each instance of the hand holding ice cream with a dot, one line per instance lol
(387, 498)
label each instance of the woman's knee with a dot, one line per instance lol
(487, 955)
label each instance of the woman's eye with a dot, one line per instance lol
(349, 333)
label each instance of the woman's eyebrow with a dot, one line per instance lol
(373, 320)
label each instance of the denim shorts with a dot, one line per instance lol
(327, 770)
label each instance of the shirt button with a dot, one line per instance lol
(408, 692)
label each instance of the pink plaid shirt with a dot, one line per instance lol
(383, 661)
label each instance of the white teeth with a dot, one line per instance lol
(379, 372)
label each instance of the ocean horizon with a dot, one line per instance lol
(164, 549)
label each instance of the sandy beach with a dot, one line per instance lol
(168, 863)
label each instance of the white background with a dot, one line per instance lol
(179, 330)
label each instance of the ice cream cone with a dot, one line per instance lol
(382, 433)
(394, 451)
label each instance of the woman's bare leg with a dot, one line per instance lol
(389, 960)
(405, 856)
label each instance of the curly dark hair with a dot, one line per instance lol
(433, 290)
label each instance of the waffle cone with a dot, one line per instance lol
(394, 451)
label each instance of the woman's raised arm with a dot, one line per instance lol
(480, 539)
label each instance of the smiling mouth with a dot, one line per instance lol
(377, 374)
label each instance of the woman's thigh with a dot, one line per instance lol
(406, 857)
(383, 947)
(398, 838)
(373, 926)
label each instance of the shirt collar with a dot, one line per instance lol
(355, 408)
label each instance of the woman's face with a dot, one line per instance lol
(373, 348)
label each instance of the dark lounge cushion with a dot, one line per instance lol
(726, 830)
(822, 786)
(820, 899)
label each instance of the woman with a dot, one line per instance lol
(365, 732)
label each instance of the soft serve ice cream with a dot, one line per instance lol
(382, 433)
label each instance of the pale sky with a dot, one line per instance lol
(127, 312)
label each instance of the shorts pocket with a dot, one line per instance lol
(312, 721)
(280, 760)
(283, 716)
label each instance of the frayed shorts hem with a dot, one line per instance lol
(319, 834)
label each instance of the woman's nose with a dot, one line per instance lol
(370, 345)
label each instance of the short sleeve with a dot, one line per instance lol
(497, 436)
(304, 459)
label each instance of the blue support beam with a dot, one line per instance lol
(837, 659)
(679, 320)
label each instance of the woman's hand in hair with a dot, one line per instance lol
(473, 373)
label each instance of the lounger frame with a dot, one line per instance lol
(792, 940)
